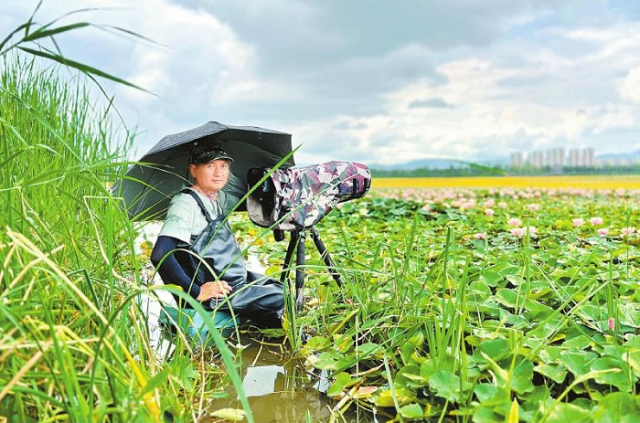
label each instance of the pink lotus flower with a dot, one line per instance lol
(514, 222)
(468, 205)
(489, 212)
(520, 232)
(603, 231)
(502, 205)
(532, 230)
(595, 221)
(534, 207)
(611, 323)
(625, 232)
(577, 222)
(489, 203)
(480, 235)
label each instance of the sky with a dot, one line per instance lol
(371, 81)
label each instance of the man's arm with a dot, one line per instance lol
(168, 267)
(171, 272)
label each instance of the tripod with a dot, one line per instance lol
(297, 243)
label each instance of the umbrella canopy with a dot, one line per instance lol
(148, 186)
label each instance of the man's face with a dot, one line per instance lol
(212, 176)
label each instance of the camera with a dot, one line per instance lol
(295, 198)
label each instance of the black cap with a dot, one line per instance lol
(200, 155)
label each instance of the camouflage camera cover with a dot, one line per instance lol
(298, 197)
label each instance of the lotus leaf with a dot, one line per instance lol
(578, 362)
(578, 343)
(340, 384)
(402, 395)
(448, 385)
(629, 314)
(555, 372)
(563, 413)
(617, 407)
(410, 377)
(412, 412)
(496, 349)
(618, 376)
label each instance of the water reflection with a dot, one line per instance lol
(282, 391)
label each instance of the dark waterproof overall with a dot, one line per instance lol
(254, 296)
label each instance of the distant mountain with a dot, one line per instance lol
(437, 164)
(619, 156)
(419, 164)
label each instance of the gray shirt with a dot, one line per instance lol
(184, 217)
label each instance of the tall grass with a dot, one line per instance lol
(61, 244)
(74, 344)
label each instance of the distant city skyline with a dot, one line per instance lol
(560, 157)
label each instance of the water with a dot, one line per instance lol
(278, 390)
(284, 392)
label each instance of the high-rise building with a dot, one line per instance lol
(536, 159)
(555, 158)
(516, 159)
(575, 158)
(588, 157)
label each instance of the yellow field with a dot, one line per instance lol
(558, 182)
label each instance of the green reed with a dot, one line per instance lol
(74, 340)
(74, 343)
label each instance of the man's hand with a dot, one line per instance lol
(210, 290)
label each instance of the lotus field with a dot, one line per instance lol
(512, 304)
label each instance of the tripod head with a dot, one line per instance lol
(296, 198)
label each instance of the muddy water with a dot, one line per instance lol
(283, 392)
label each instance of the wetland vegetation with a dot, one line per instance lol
(458, 305)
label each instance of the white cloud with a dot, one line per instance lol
(541, 74)
(629, 87)
(203, 59)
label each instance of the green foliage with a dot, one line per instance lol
(74, 341)
(447, 312)
(540, 325)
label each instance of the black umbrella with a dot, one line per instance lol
(147, 187)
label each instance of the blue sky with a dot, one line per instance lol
(370, 80)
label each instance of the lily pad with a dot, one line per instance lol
(509, 298)
(617, 407)
(229, 414)
(403, 396)
(412, 412)
(618, 378)
(409, 376)
(578, 362)
(563, 413)
(555, 372)
(496, 349)
(448, 385)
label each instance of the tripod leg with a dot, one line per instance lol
(300, 268)
(286, 266)
(325, 256)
